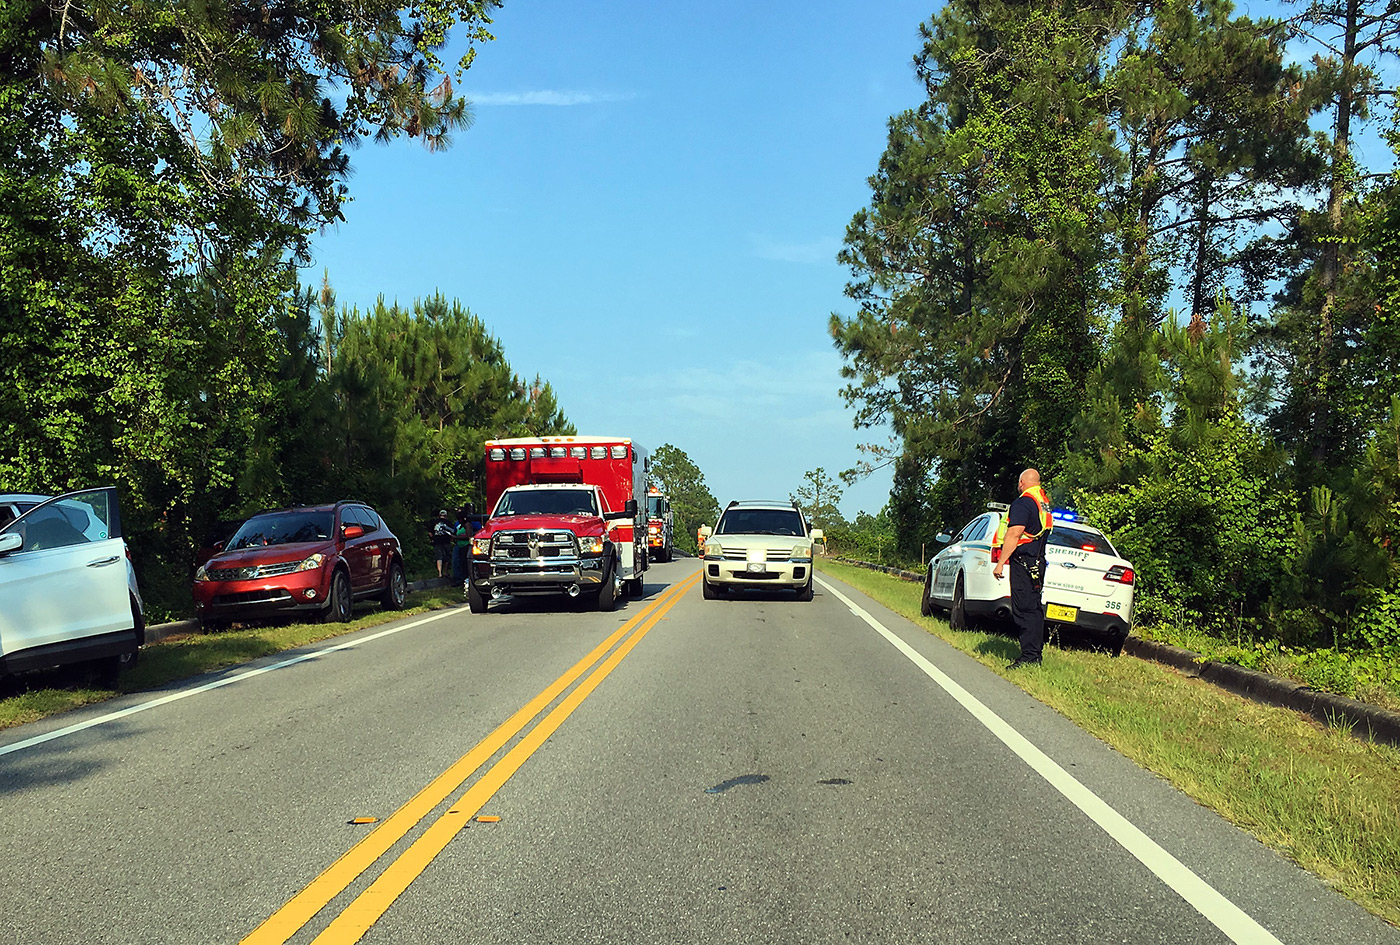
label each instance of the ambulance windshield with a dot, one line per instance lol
(548, 502)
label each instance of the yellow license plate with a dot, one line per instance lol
(1056, 612)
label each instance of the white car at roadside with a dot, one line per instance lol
(68, 591)
(1088, 585)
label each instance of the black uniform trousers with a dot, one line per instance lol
(1026, 610)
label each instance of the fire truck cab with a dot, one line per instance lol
(564, 519)
(660, 526)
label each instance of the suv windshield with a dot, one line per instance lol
(761, 522)
(283, 528)
(548, 502)
(1068, 537)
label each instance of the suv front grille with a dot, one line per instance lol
(732, 553)
(253, 573)
(533, 545)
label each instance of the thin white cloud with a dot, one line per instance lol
(816, 251)
(556, 97)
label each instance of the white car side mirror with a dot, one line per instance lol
(705, 532)
(12, 541)
(818, 535)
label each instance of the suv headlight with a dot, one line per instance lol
(312, 563)
(481, 546)
(713, 549)
(591, 546)
(802, 552)
(201, 573)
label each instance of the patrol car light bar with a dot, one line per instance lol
(998, 507)
(1065, 515)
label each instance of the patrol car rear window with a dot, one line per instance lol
(1067, 537)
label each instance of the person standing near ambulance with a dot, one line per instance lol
(1021, 538)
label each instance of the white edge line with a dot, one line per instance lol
(1204, 898)
(218, 683)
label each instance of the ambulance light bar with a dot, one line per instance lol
(498, 454)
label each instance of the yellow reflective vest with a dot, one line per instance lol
(1047, 521)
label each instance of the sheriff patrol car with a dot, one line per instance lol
(1088, 586)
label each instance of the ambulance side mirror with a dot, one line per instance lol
(630, 506)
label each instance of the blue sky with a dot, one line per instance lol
(646, 212)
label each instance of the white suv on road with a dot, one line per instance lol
(759, 545)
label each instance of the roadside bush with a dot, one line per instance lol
(1201, 526)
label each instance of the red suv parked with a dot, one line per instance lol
(316, 559)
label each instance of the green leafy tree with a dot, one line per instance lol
(419, 390)
(161, 170)
(1202, 507)
(977, 265)
(692, 503)
(819, 497)
(1212, 128)
(1326, 308)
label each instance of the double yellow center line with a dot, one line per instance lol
(362, 912)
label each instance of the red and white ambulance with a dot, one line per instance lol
(660, 526)
(567, 516)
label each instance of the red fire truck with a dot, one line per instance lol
(660, 523)
(564, 519)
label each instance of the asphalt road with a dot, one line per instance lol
(755, 770)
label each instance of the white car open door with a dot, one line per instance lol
(63, 574)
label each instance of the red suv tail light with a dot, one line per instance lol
(1119, 574)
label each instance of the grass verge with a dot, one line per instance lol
(37, 695)
(1326, 800)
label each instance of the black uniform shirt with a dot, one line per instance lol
(1026, 513)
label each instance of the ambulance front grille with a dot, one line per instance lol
(533, 545)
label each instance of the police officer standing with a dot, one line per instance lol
(1022, 541)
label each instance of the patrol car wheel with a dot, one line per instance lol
(926, 604)
(957, 617)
